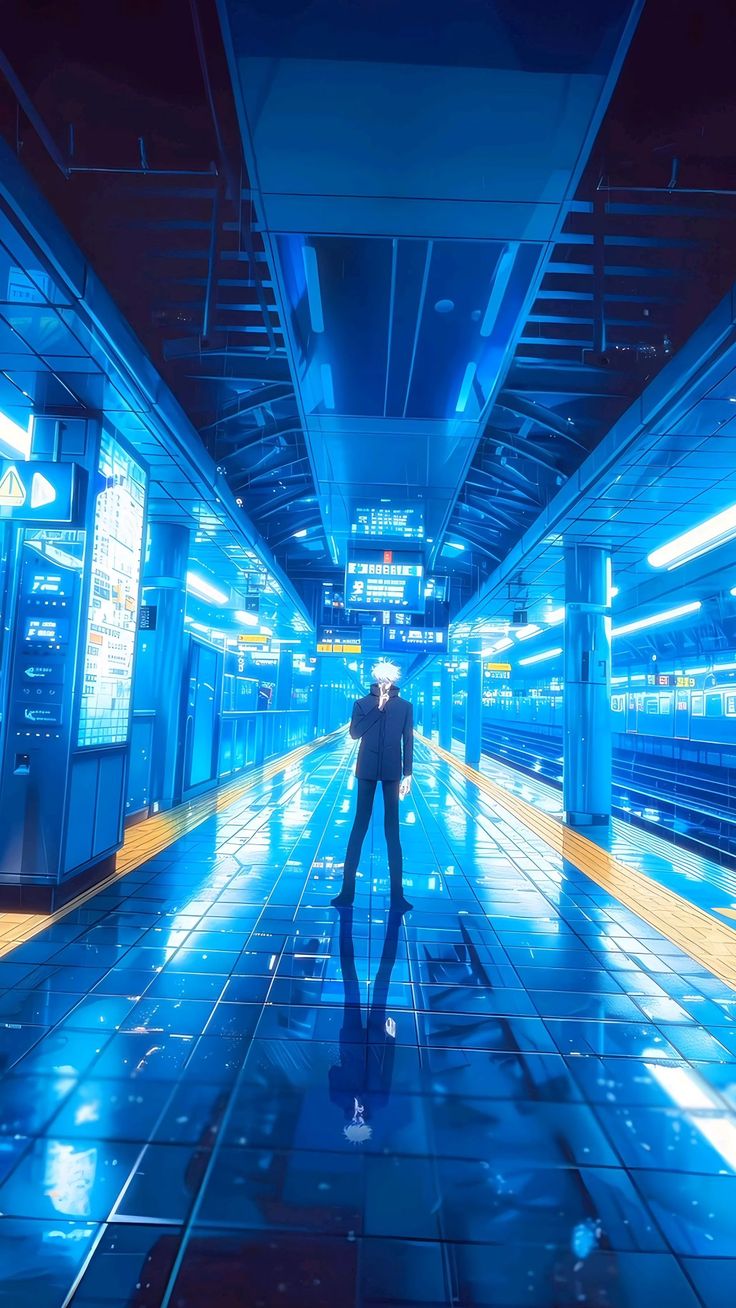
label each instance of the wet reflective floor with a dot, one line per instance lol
(216, 1090)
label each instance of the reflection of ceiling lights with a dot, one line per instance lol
(246, 619)
(698, 540)
(17, 438)
(540, 658)
(314, 294)
(501, 280)
(328, 389)
(657, 619)
(465, 387)
(299, 535)
(203, 589)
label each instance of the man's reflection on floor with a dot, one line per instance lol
(360, 1083)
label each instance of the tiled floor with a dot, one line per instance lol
(710, 886)
(217, 1092)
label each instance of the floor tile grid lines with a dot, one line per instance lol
(114, 1216)
(612, 928)
(630, 844)
(643, 1016)
(83, 930)
(451, 1273)
(328, 802)
(613, 1145)
(683, 923)
(140, 845)
(366, 1247)
(64, 1019)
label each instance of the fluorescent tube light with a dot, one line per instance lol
(246, 619)
(698, 540)
(454, 545)
(540, 658)
(17, 438)
(657, 619)
(314, 294)
(528, 631)
(501, 645)
(465, 388)
(299, 535)
(501, 279)
(197, 585)
(328, 390)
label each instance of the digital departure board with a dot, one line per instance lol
(418, 638)
(339, 640)
(113, 602)
(386, 521)
(385, 579)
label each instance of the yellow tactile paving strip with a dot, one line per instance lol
(151, 837)
(699, 935)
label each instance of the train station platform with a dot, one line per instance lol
(217, 1089)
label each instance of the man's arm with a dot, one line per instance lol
(408, 738)
(362, 722)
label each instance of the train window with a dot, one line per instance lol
(665, 704)
(731, 706)
(714, 704)
(697, 704)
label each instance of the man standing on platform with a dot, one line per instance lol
(383, 723)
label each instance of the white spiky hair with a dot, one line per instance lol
(385, 671)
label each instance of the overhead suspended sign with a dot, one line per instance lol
(37, 492)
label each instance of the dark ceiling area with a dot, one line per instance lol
(124, 114)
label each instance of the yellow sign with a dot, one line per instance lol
(339, 648)
(498, 667)
(252, 638)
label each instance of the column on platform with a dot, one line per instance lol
(445, 706)
(428, 701)
(284, 679)
(474, 703)
(587, 691)
(161, 651)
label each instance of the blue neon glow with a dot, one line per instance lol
(498, 289)
(465, 388)
(17, 438)
(314, 294)
(328, 390)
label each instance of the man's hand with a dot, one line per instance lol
(383, 696)
(405, 787)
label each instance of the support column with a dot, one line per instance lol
(587, 698)
(284, 679)
(474, 703)
(446, 690)
(160, 662)
(428, 697)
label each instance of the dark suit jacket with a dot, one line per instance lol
(386, 737)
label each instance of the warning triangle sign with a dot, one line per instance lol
(42, 492)
(12, 490)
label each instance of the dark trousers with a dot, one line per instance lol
(364, 809)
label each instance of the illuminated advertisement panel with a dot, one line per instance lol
(113, 601)
(385, 579)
